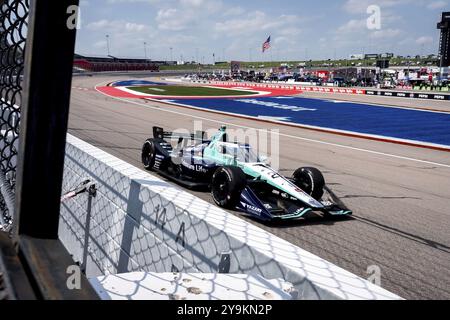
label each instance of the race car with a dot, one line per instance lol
(238, 178)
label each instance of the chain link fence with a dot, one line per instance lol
(13, 31)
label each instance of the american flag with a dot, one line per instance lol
(266, 45)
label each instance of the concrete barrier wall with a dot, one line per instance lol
(182, 286)
(137, 222)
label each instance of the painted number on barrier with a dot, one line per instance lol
(181, 235)
(161, 216)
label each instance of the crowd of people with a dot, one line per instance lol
(386, 79)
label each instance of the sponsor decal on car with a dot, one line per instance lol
(197, 168)
(251, 208)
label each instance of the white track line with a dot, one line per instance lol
(281, 134)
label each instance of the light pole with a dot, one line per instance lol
(364, 56)
(171, 55)
(107, 44)
(145, 50)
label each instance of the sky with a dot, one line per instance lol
(224, 30)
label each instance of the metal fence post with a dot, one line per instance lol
(45, 111)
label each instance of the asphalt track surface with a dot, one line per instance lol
(399, 123)
(385, 101)
(400, 195)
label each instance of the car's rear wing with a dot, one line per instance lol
(159, 133)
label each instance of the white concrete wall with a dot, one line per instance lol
(138, 222)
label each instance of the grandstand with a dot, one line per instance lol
(111, 63)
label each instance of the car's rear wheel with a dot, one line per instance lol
(227, 185)
(148, 154)
(311, 181)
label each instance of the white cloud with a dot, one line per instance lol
(203, 5)
(99, 44)
(98, 25)
(134, 27)
(424, 40)
(117, 26)
(250, 23)
(134, 1)
(360, 6)
(193, 3)
(435, 5)
(386, 33)
(234, 11)
(254, 22)
(389, 23)
(124, 36)
(353, 26)
(187, 14)
(174, 19)
(290, 31)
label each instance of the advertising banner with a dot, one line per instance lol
(412, 95)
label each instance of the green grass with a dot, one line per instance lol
(188, 91)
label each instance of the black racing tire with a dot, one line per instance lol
(227, 184)
(311, 181)
(148, 154)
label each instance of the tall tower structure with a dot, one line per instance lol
(444, 43)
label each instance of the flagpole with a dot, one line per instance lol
(265, 47)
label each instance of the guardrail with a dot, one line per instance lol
(132, 221)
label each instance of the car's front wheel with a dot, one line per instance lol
(227, 185)
(148, 154)
(311, 181)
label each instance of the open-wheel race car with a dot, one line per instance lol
(238, 178)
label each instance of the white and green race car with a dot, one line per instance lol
(238, 179)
